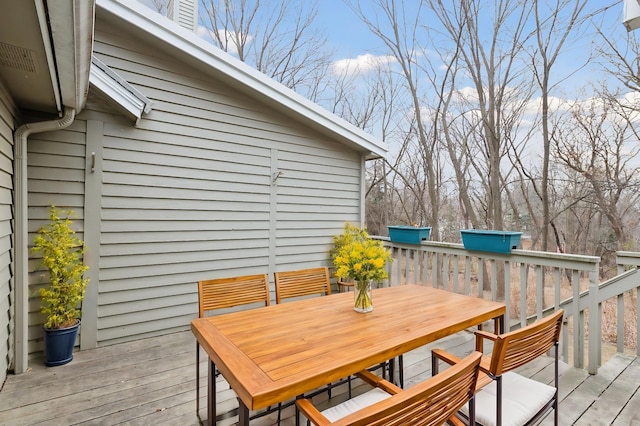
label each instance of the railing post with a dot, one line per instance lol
(595, 322)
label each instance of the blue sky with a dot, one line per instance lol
(350, 39)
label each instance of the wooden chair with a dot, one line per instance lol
(225, 293)
(431, 402)
(506, 398)
(302, 282)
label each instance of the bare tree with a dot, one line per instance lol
(489, 59)
(554, 24)
(397, 30)
(160, 6)
(276, 37)
(600, 146)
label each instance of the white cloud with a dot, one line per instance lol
(230, 38)
(361, 64)
(204, 33)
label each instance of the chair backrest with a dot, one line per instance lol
(230, 292)
(303, 282)
(431, 402)
(516, 348)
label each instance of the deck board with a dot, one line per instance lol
(151, 381)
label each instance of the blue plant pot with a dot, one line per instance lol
(409, 234)
(58, 345)
(492, 240)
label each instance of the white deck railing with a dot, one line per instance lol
(548, 281)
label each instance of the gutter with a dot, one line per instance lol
(21, 135)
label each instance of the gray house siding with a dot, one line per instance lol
(210, 183)
(7, 296)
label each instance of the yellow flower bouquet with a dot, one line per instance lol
(364, 260)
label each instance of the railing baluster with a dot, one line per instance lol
(620, 323)
(576, 315)
(456, 274)
(480, 277)
(557, 278)
(507, 294)
(524, 268)
(539, 290)
(467, 275)
(494, 279)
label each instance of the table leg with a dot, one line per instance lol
(498, 324)
(243, 414)
(211, 395)
(392, 370)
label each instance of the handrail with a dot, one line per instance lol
(544, 279)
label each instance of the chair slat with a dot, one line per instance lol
(303, 282)
(428, 403)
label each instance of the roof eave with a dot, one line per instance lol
(243, 77)
(72, 27)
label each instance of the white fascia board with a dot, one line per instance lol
(72, 23)
(253, 81)
(631, 17)
(109, 84)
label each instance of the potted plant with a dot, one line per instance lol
(362, 259)
(62, 254)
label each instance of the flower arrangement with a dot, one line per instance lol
(362, 259)
(349, 234)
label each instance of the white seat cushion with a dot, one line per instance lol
(354, 404)
(522, 398)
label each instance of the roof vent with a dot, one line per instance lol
(184, 12)
(18, 58)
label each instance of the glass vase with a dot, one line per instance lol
(362, 297)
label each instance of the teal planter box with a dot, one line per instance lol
(408, 234)
(492, 241)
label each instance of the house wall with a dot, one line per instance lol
(55, 170)
(209, 184)
(7, 296)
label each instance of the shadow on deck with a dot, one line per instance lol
(152, 381)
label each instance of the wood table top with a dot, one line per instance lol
(272, 354)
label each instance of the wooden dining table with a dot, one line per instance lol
(275, 353)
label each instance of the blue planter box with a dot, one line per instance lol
(493, 241)
(408, 234)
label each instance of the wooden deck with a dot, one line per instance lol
(152, 381)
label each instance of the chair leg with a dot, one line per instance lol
(499, 401)
(297, 413)
(555, 402)
(198, 381)
(472, 410)
(401, 371)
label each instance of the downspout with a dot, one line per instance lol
(22, 232)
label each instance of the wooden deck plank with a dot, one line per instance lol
(152, 381)
(626, 387)
(575, 406)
